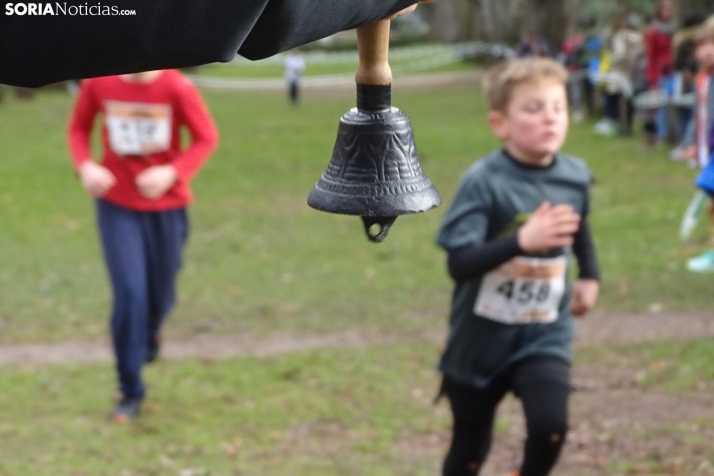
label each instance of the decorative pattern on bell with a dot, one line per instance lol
(374, 171)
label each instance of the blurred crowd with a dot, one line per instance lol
(635, 67)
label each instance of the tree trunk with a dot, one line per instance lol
(703, 7)
(550, 18)
(500, 20)
(488, 20)
(467, 28)
(445, 19)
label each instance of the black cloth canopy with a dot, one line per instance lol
(80, 39)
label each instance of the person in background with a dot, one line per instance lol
(571, 57)
(294, 69)
(533, 44)
(626, 46)
(658, 50)
(141, 187)
(685, 69)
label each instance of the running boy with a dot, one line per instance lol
(141, 187)
(517, 215)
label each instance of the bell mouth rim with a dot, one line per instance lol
(384, 206)
(353, 213)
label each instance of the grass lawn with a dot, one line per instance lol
(674, 366)
(317, 413)
(275, 70)
(260, 260)
(327, 412)
(410, 60)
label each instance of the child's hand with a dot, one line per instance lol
(585, 293)
(155, 181)
(96, 179)
(548, 227)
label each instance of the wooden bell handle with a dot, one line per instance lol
(373, 48)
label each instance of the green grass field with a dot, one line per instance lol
(260, 261)
(348, 412)
(275, 70)
(318, 413)
(409, 60)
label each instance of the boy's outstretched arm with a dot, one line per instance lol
(95, 178)
(193, 113)
(587, 286)
(79, 129)
(126, 36)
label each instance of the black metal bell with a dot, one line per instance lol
(374, 171)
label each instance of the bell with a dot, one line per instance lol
(374, 171)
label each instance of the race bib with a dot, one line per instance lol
(523, 290)
(138, 129)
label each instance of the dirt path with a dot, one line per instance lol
(596, 328)
(615, 422)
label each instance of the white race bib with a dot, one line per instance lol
(138, 129)
(523, 290)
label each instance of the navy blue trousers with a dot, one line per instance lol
(143, 255)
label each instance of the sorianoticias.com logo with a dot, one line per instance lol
(61, 8)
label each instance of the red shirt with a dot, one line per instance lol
(658, 49)
(141, 128)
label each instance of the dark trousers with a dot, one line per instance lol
(294, 92)
(542, 384)
(143, 255)
(613, 108)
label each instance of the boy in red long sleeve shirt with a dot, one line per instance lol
(141, 187)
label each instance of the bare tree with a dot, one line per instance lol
(550, 18)
(500, 20)
(467, 29)
(703, 7)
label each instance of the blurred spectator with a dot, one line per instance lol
(294, 69)
(658, 49)
(593, 49)
(683, 89)
(627, 47)
(571, 56)
(533, 44)
(20, 93)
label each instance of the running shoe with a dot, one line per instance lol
(703, 263)
(126, 409)
(677, 153)
(604, 127)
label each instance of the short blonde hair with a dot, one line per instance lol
(500, 80)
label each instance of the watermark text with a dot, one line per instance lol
(61, 8)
